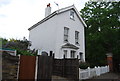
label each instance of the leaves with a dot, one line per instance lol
(102, 31)
(20, 45)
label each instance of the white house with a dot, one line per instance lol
(61, 32)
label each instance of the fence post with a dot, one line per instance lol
(98, 70)
(15, 52)
(88, 71)
(108, 68)
(105, 69)
(51, 53)
(77, 56)
(95, 71)
(63, 74)
(79, 74)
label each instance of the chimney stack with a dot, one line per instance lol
(47, 10)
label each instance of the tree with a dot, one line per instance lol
(102, 31)
(102, 15)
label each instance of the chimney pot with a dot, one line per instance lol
(48, 5)
(47, 10)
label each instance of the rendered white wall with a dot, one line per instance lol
(50, 34)
(73, 25)
(43, 36)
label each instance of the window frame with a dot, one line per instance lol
(72, 14)
(65, 51)
(66, 34)
(72, 54)
(77, 37)
(81, 55)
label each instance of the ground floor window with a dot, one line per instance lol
(81, 56)
(72, 54)
(65, 53)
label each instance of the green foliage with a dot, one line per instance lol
(19, 45)
(102, 31)
(25, 52)
(83, 65)
(23, 45)
(0, 42)
(4, 41)
(103, 15)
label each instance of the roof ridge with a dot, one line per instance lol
(58, 12)
(65, 7)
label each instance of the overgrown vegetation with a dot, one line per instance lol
(20, 45)
(102, 31)
(84, 65)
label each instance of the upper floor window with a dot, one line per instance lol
(76, 37)
(72, 14)
(66, 32)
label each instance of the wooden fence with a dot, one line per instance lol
(68, 68)
(9, 67)
(92, 72)
(46, 67)
(29, 71)
(27, 68)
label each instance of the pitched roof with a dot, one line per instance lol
(58, 12)
(68, 45)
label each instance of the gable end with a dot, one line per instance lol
(59, 12)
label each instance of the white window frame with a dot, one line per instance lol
(81, 56)
(66, 34)
(72, 13)
(76, 37)
(65, 53)
(72, 53)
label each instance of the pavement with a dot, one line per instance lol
(58, 78)
(106, 77)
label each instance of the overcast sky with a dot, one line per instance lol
(16, 16)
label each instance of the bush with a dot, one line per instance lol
(83, 65)
(25, 52)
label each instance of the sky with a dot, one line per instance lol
(16, 16)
